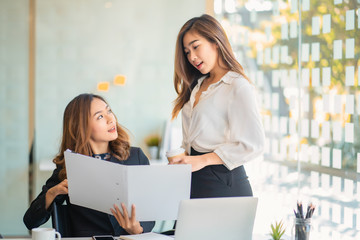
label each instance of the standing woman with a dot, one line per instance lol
(89, 128)
(222, 128)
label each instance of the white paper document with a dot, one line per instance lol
(350, 20)
(350, 47)
(327, 23)
(293, 29)
(284, 31)
(305, 5)
(147, 236)
(315, 25)
(305, 47)
(156, 190)
(337, 49)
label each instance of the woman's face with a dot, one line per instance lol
(103, 126)
(201, 53)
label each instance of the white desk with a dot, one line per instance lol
(255, 237)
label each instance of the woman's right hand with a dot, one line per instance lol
(52, 193)
(198, 162)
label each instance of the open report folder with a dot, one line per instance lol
(156, 191)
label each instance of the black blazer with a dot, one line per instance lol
(84, 222)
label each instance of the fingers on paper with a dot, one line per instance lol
(133, 213)
(126, 215)
(118, 215)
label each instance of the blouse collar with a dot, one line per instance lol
(227, 79)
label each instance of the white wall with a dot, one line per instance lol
(80, 43)
(13, 115)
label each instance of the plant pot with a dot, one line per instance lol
(153, 150)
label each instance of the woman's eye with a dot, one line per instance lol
(100, 117)
(195, 47)
(109, 111)
(186, 53)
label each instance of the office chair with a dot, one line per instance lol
(60, 219)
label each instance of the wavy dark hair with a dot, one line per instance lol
(186, 75)
(76, 132)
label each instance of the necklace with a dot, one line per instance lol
(103, 156)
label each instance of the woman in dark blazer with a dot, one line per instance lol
(89, 128)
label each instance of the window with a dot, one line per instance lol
(303, 57)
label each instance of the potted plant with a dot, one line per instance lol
(153, 143)
(277, 230)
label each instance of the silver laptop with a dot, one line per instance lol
(230, 218)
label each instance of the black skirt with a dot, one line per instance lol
(218, 181)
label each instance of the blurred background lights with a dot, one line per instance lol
(119, 80)
(217, 6)
(108, 4)
(258, 5)
(230, 6)
(103, 86)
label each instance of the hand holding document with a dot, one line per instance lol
(156, 191)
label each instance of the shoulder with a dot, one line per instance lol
(137, 155)
(135, 150)
(237, 81)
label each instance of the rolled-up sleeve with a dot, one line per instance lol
(245, 131)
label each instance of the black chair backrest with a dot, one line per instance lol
(60, 219)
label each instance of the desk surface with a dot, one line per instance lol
(255, 237)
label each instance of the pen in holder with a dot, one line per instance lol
(302, 224)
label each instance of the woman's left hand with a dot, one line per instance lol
(197, 162)
(129, 224)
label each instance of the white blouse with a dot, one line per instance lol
(226, 121)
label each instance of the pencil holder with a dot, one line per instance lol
(301, 229)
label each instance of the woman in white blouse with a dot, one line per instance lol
(221, 124)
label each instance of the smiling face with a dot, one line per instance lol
(201, 53)
(102, 124)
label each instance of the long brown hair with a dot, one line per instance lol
(186, 75)
(76, 132)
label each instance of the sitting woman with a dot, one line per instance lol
(89, 128)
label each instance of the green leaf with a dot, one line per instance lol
(277, 230)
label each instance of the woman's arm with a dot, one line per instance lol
(198, 162)
(52, 193)
(246, 133)
(38, 212)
